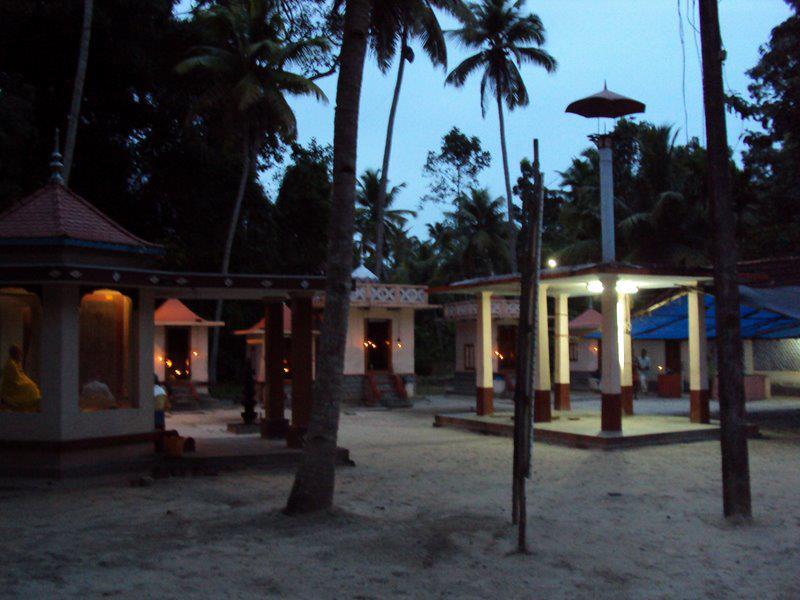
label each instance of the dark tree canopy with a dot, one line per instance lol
(455, 167)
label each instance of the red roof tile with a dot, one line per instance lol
(56, 212)
(175, 312)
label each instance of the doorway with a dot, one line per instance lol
(507, 347)
(178, 359)
(378, 344)
(672, 356)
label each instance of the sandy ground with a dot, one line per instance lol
(424, 514)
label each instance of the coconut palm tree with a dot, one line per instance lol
(505, 40)
(396, 23)
(77, 90)
(246, 61)
(314, 481)
(367, 212)
(480, 234)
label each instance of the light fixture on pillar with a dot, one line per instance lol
(595, 286)
(626, 287)
(606, 104)
(552, 263)
(399, 344)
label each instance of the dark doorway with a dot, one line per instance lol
(672, 356)
(507, 347)
(178, 360)
(378, 345)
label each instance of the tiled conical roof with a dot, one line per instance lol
(175, 312)
(56, 213)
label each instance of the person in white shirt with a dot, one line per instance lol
(643, 368)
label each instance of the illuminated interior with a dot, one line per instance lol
(104, 352)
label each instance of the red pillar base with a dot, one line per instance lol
(295, 436)
(274, 429)
(611, 412)
(626, 392)
(561, 396)
(541, 406)
(485, 402)
(699, 411)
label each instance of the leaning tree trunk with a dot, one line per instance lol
(314, 481)
(226, 256)
(387, 151)
(512, 230)
(77, 90)
(733, 438)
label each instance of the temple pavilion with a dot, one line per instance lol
(615, 284)
(77, 333)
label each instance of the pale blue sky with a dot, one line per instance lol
(633, 44)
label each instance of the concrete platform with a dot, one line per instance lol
(213, 454)
(582, 430)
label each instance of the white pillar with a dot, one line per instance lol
(483, 354)
(626, 353)
(561, 355)
(611, 405)
(59, 373)
(541, 380)
(748, 363)
(698, 365)
(606, 197)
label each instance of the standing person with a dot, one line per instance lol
(643, 368)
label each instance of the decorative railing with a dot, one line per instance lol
(385, 294)
(502, 308)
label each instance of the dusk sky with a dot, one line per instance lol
(632, 44)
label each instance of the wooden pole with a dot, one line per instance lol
(733, 438)
(526, 345)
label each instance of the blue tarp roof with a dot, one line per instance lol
(670, 321)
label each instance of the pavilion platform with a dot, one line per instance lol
(215, 454)
(659, 422)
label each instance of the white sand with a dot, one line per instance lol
(424, 514)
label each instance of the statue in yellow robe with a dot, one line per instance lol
(17, 390)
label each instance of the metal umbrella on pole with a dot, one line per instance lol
(610, 105)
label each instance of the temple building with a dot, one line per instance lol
(180, 351)
(77, 326)
(379, 355)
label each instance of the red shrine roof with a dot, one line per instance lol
(175, 312)
(56, 213)
(588, 319)
(258, 328)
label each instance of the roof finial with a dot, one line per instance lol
(605, 87)
(56, 166)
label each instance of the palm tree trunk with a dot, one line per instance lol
(77, 90)
(387, 151)
(315, 478)
(512, 230)
(226, 256)
(733, 437)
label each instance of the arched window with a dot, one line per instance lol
(105, 359)
(20, 331)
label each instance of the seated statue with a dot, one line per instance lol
(18, 391)
(96, 395)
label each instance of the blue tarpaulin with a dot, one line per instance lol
(670, 321)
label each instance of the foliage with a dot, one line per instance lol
(301, 211)
(455, 167)
(773, 153)
(394, 220)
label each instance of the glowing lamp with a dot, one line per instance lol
(595, 286)
(194, 353)
(626, 287)
(552, 263)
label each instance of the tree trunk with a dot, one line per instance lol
(226, 255)
(735, 468)
(512, 230)
(77, 90)
(387, 151)
(526, 352)
(314, 482)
